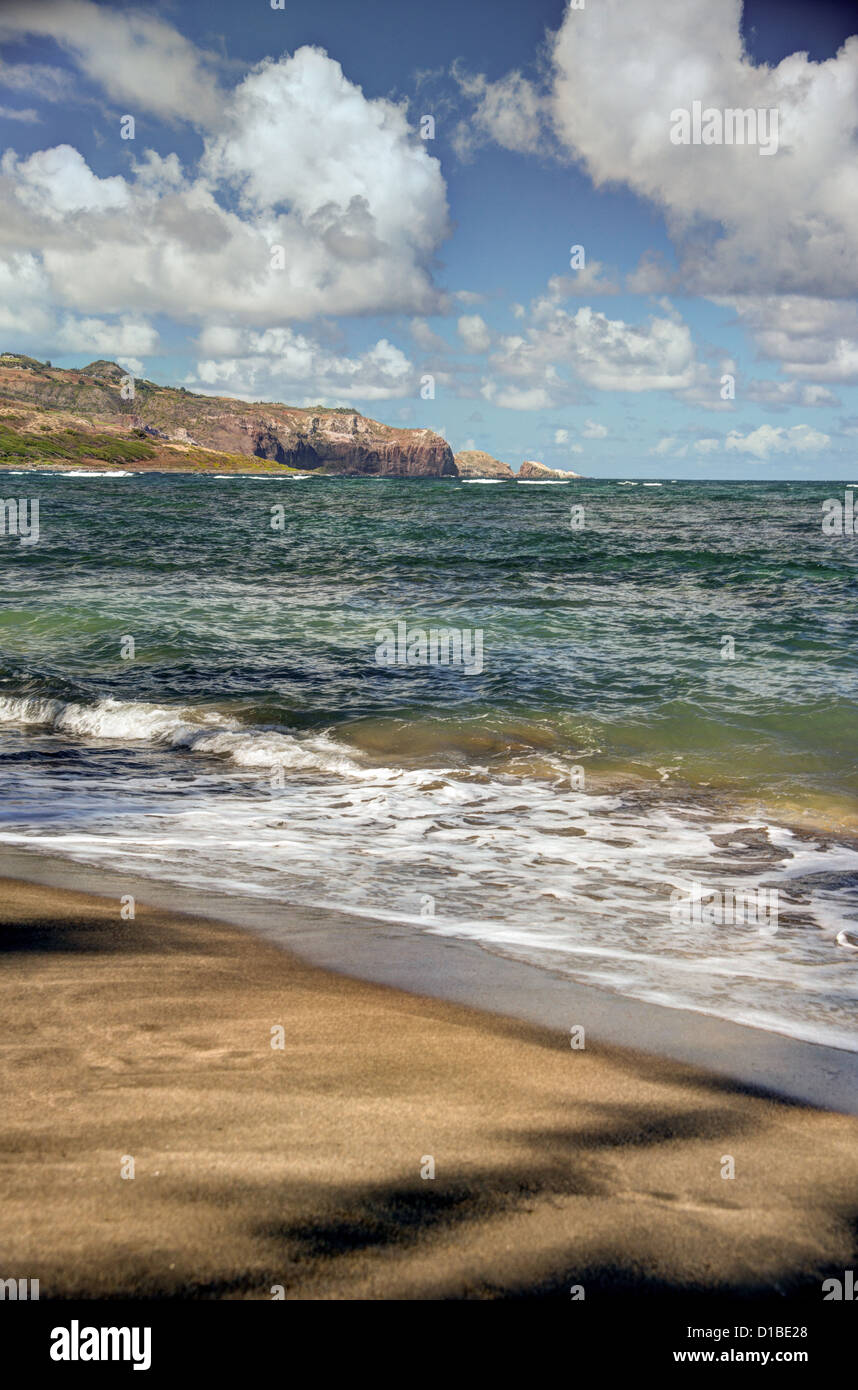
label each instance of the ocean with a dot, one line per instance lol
(205, 680)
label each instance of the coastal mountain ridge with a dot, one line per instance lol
(70, 416)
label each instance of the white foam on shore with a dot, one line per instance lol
(575, 883)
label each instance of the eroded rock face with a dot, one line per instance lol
(532, 471)
(474, 463)
(334, 441)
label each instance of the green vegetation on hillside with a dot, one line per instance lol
(211, 460)
(74, 445)
(77, 446)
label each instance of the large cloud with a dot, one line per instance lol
(774, 237)
(298, 134)
(340, 211)
(744, 223)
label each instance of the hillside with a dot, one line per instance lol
(67, 417)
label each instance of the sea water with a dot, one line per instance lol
(665, 705)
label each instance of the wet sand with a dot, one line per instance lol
(257, 1167)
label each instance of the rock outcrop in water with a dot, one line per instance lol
(173, 421)
(531, 471)
(473, 463)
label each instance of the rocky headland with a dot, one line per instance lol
(71, 415)
(533, 472)
(56, 417)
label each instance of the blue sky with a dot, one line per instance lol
(428, 282)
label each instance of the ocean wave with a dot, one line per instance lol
(187, 727)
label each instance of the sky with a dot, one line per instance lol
(479, 217)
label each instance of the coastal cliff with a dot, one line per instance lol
(44, 407)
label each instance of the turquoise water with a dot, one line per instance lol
(606, 750)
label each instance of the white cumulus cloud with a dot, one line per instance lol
(282, 364)
(742, 222)
(508, 112)
(340, 211)
(768, 439)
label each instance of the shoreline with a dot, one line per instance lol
(97, 467)
(459, 972)
(394, 1147)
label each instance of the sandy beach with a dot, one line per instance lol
(257, 1167)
